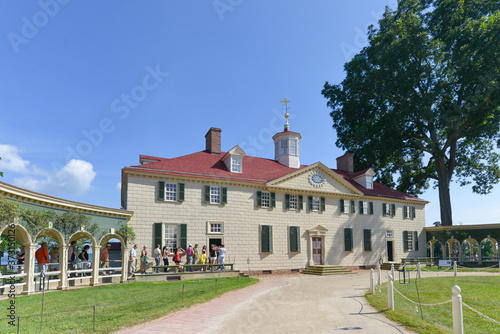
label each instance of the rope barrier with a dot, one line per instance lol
(483, 315)
(421, 304)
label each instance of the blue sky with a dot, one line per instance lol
(87, 87)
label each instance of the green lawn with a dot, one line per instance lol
(479, 292)
(152, 300)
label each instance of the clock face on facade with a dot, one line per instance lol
(316, 180)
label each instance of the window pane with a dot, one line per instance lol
(171, 191)
(294, 202)
(284, 147)
(315, 203)
(215, 195)
(265, 200)
(293, 147)
(236, 164)
(171, 232)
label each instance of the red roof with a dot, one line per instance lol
(254, 170)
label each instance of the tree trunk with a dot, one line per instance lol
(444, 193)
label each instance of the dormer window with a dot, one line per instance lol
(236, 164)
(369, 182)
(233, 160)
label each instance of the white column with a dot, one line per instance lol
(392, 270)
(418, 270)
(96, 254)
(455, 268)
(311, 260)
(456, 302)
(379, 280)
(63, 266)
(29, 269)
(124, 276)
(372, 282)
(390, 292)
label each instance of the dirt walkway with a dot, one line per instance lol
(283, 304)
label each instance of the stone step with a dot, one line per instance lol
(326, 270)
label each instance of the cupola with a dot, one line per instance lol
(286, 145)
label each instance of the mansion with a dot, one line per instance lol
(272, 214)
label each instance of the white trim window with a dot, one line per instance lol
(276, 148)
(215, 195)
(284, 147)
(171, 236)
(410, 242)
(236, 164)
(347, 206)
(215, 228)
(265, 200)
(293, 147)
(365, 208)
(170, 191)
(369, 182)
(294, 202)
(389, 234)
(316, 204)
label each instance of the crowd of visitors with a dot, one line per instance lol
(215, 255)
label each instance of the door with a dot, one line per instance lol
(214, 241)
(390, 256)
(317, 248)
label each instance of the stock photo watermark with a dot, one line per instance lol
(31, 26)
(257, 143)
(223, 6)
(10, 282)
(121, 107)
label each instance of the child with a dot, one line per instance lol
(203, 258)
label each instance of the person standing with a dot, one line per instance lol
(72, 255)
(42, 258)
(213, 256)
(105, 256)
(166, 253)
(196, 255)
(132, 261)
(189, 256)
(84, 257)
(157, 254)
(144, 259)
(54, 259)
(222, 256)
(20, 260)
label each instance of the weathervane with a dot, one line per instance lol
(285, 102)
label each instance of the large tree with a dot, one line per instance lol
(421, 102)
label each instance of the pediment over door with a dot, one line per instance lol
(317, 231)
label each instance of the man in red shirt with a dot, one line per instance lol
(42, 258)
(105, 256)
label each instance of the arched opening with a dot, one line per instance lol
(80, 249)
(429, 249)
(466, 250)
(438, 250)
(489, 250)
(54, 249)
(453, 250)
(113, 262)
(14, 246)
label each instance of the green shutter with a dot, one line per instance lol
(393, 210)
(342, 208)
(273, 200)
(367, 237)
(161, 190)
(158, 237)
(294, 239)
(266, 238)
(384, 208)
(259, 199)
(287, 201)
(348, 239)
(322, 204)
(224, 195)
(412, 212)
(371, 208)
(404, 211)
(181, 192)
(405, 241)
(353, 206)
(183, 233)
(301, 202)
(207, 194)
(415, 242)
(361, 212)
(309, 203)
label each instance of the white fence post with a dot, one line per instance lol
(456, 303)
(392, 270)
(372, 282)
(418, 270)
(390, 292)
(455, 267)
(379, 279)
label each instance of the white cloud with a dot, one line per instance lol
(75, 179)
(12, 161)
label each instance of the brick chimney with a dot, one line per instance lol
(213, 140)
(346, 163)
